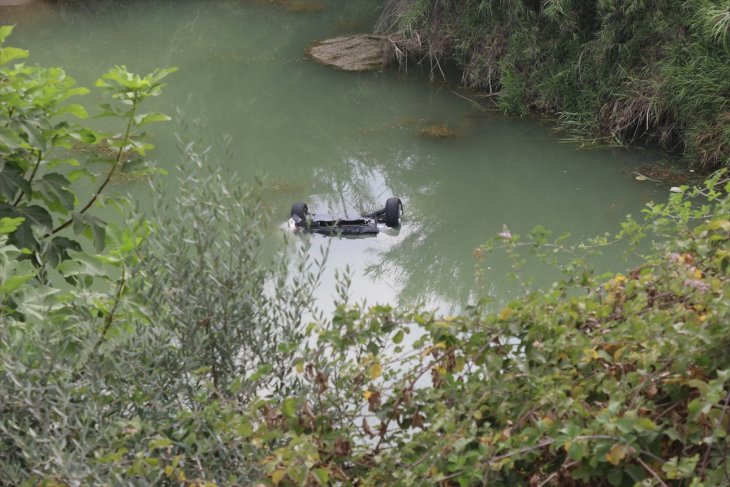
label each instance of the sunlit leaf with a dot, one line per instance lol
(375, 371)
(289, 407)
(8, 225)
(148, 118)
(278, 476)
(14, 282)
(5, 31)
(8, 54)
(78, 111)
(617, 453)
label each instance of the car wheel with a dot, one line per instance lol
(393, 211)
(299, 209)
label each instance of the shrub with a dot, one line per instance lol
(616, 379)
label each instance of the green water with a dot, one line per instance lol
(346, 141)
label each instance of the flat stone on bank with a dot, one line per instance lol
(360, 52)
(13, 3)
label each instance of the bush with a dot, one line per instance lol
(128, 355)
(611, 380)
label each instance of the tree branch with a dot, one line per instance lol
(30, 180)
(110, 317)
(108, 178)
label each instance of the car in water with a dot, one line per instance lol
(390, 215)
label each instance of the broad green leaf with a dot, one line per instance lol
(278, 476)
(5, 31)
(244, 428)
(78, 174)
(10, 139)
(87, 136)
(53, 188)
(12, 181)
(57, 250)
(14, 282)
(322, 475)
(148, 118)
(679, 469)
(289, 407)
(36, 138)
(615, 477)
(375, 371)
(74, 109)
(79, 90)
(617, 453)
(109, 110)
(136, 165)
(7, 54)
(578, 450)
(34, 216)
(398, 337)
(91, 227)
(159, 442)
(8, 225)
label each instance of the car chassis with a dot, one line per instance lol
(390, 215)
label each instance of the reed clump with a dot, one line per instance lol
(623, 72)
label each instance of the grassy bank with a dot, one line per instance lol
(654, 73)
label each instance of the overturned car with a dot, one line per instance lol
(390, 215)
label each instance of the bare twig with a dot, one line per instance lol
(110, 316)
(474, 103)
(555, 474)
(651, 472)
(30, 180)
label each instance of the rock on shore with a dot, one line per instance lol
(13, 3)
(360, 52)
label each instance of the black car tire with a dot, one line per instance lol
(299, 209)
(393, 211)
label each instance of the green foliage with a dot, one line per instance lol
(614, 71)
(137, 353)
(598, 380)
(39, 149)
(233, 306)
(174, 354)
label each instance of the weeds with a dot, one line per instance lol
(655, 73)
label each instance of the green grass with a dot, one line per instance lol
(626, 72)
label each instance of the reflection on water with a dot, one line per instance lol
(345, 142)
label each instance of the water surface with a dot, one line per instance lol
(344, 142)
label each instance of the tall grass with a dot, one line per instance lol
(617, 71)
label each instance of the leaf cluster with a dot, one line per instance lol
(40, 145)
(618, 379)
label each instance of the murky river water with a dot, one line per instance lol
(346, 141)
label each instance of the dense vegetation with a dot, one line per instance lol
(129, 357)
(617, 379)
(619, 71)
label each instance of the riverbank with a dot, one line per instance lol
(654, 73)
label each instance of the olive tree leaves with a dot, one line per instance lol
(42, 151)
